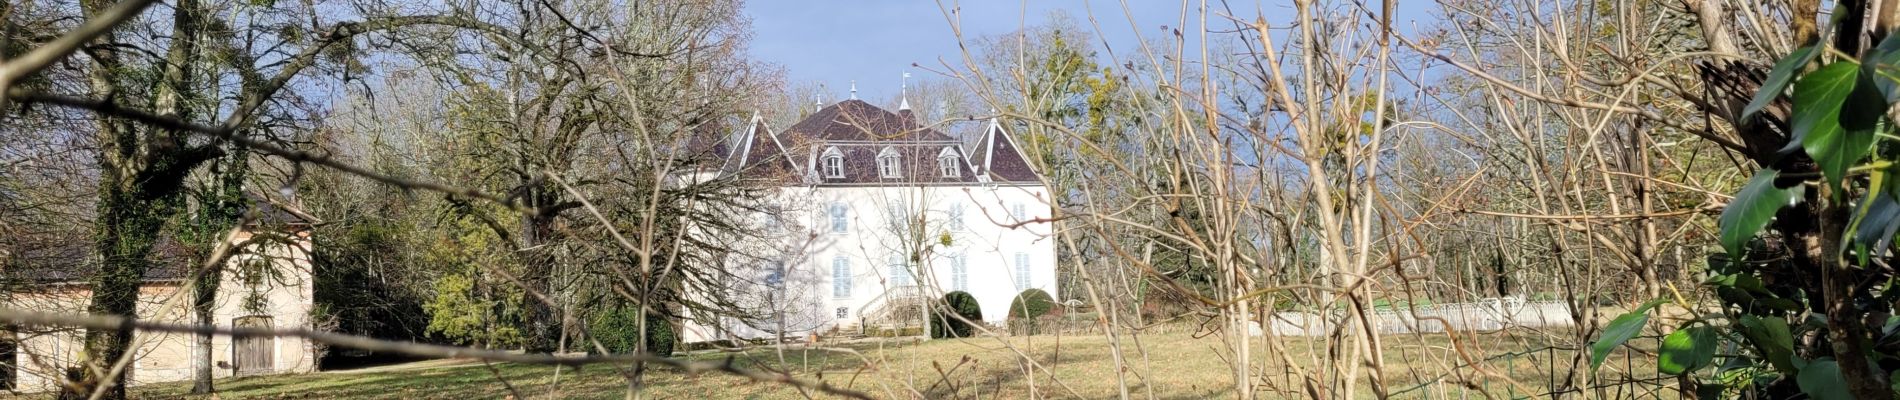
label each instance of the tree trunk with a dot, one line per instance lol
(541, 332)
(141, 174)
(221, 209)
(204, 305)
(128, 226)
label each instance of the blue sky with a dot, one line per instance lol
(875, 41)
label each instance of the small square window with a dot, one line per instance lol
(834, 166)
(887, 166)
(948, 165)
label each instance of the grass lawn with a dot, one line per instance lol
(1176, 365)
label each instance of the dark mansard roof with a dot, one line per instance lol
(859, 134)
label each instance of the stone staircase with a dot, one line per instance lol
(898, 308)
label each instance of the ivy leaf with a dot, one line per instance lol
(1877, 222)
(1754, 205)
(1821, 380)
(1771, 338)
(1895, 378)
(1687, 350)
(1710, 390)
(1880, 65)
(1778, 80)
(1620, 330)
(1819, 98)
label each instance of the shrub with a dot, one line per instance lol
(943, 325)
(660, 338)
(1027, 310)
(1031, 303)
(618, 329)
(908, 331)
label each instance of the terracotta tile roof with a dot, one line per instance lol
(74, 259)
(275, 212)
(63, 260)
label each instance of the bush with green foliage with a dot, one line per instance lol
(908, 331)
(1803, 281)
(1030, 304)
(660, 338)
(618, 329)
(942, 325)
(1026, 311)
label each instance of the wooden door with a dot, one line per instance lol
(254, 355)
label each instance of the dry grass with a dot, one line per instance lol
(1175, 366)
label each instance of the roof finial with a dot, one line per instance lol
(854, 89)
(904, 93)
(818, 98)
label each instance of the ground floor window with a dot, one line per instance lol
(1022, 271)
(841, 277)
(900, 271)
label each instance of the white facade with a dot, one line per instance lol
(833, 278)
(846, 250)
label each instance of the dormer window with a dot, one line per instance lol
(834, 163)
(888, 164)
(947, 162)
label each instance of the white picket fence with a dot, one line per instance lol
(1485, 315)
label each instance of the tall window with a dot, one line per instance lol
(834, 163)
(775, 274)
(959, 273)
(769, 218)
(839, 222)
(956, 217)
(900, 271)
(1022, 271)
(900, 217)
(947, 163)
(1019, 211)
(841, 277)
(887, 164)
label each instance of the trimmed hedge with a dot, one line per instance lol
(617, 330)
(660, 338)
(1031, 303)
(943, 325)
(909, 331)
(1027, 310)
